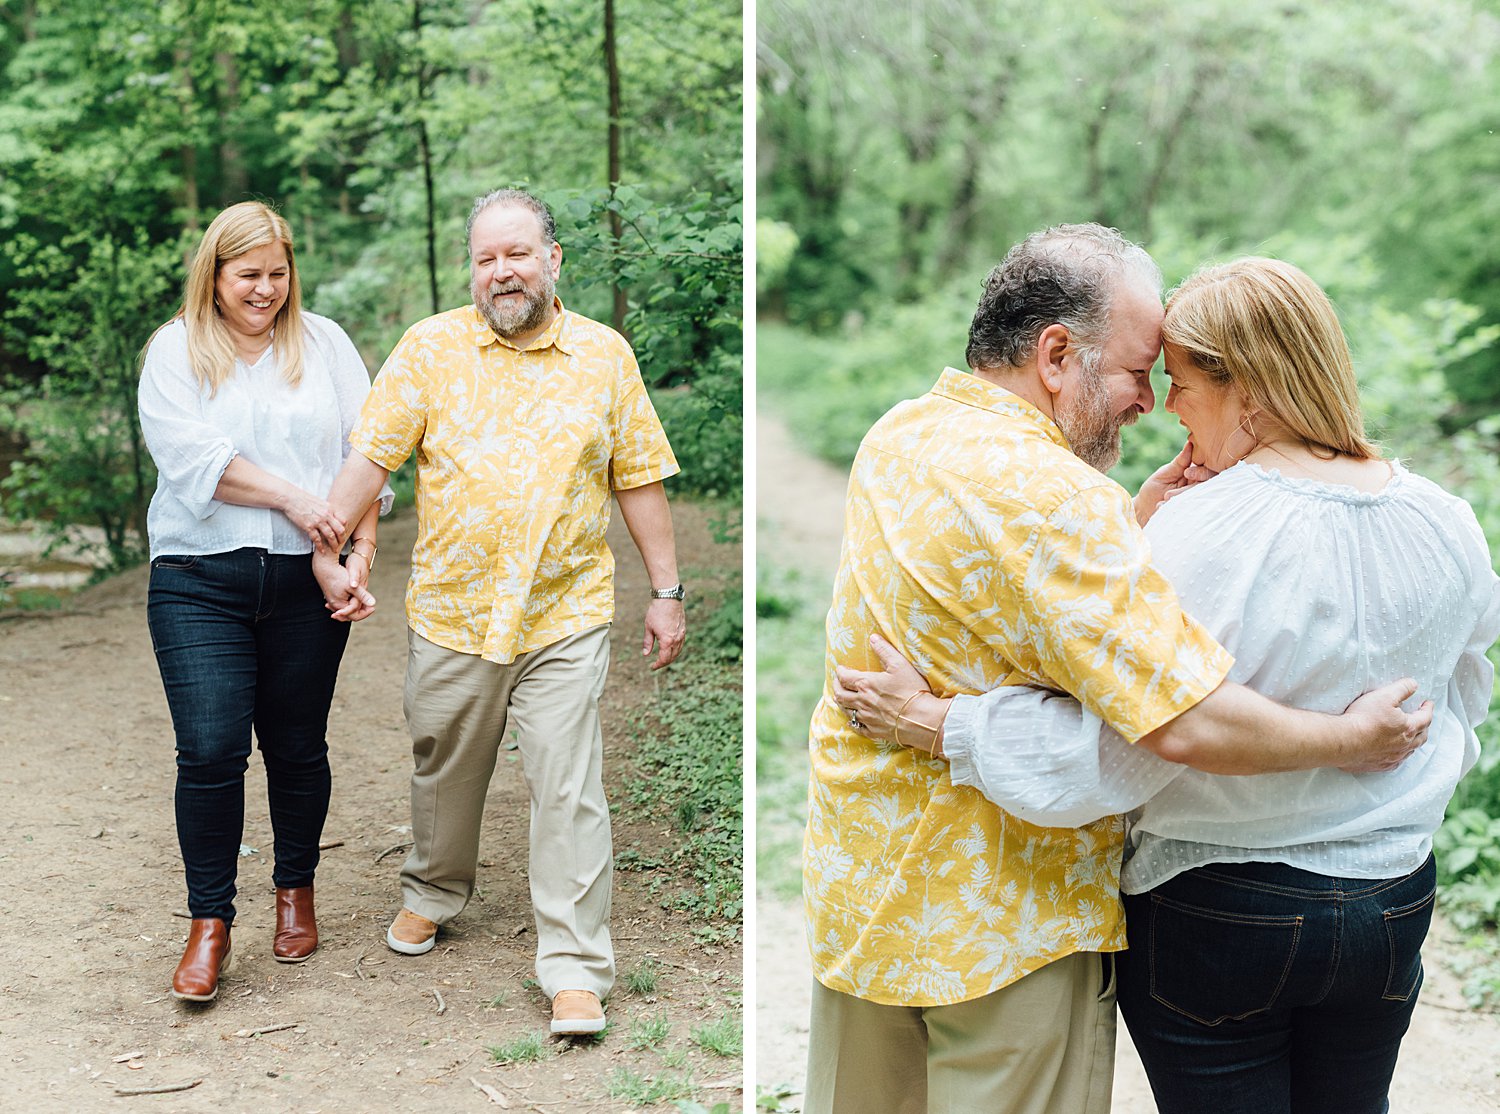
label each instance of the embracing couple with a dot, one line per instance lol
(1031, 677)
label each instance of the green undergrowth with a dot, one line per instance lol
(687, 774)
(1467, 847)
(789, 610)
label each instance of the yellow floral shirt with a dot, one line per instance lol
(517, 452)
(982, 548)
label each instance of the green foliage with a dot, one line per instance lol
(723, 1036)
(686, 261)
(690, 752)
(1468, 848)
(371, 127)
(703, 422)
(83, 309)
(525, 1049)
(26, 599)
(769, 1100)
(642, 979)
(648, 1032)
(789, 681)
(634, 1087)
(718, 636)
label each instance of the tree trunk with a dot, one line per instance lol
(235, 181)
(424, 149)
(612, 146)
(187, 153)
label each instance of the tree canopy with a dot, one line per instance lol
(371, 126)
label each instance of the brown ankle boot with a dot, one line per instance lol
(205, 958)
(296, 927)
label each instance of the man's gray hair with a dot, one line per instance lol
(514, 197)
(1065, 275)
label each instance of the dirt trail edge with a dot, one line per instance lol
(94, 898)
(1450, 1060)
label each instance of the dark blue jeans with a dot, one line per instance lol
(1257, 988)
(242, 640)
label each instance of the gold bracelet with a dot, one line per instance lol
(901, 715)
(370, 558)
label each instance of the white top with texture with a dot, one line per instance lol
(300, 434)
(1321, 593)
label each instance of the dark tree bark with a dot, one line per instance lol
(235, 179)
(612, 146)
(424, 149)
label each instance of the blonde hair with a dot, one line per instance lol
(238, 229)
(1266, 329)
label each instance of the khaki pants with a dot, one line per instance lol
(457, 707)
(1042, 1045)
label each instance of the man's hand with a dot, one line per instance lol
(1172, 478)
(344, 592)
(666, 628)
(1390, 734)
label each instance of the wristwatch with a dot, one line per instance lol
(676, 592)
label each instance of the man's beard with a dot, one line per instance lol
(510, 320)
(1092, 430)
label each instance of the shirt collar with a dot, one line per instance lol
(558, 334)
(970, 390)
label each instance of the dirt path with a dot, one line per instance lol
(91, 876)
(1450, 1060)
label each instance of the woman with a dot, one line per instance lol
(1275, 922)
(246, 402)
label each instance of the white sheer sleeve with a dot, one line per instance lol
(1041, 756)
(1473, 682)
(190, 452)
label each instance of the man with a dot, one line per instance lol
(524, 416)
(958, 949)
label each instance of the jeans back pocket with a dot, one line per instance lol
(1405, 928)
(1216, 965)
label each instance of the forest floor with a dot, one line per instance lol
(1450, 1060)
(94, 901)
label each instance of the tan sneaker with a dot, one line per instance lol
(577, 1012)
(410, 934)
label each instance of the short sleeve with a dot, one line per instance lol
(394, 415)
(190, 453)
(641, 452)
(1105, 624)
(351, 384)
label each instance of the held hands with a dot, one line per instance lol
(315, 518)
(1172, 478)
(876, 701)
(344, 591)
(1388, 735)
(666, 629)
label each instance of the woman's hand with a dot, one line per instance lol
(894, 705)
(344, 592)
(357, 568)
(1172, 478)
(315, 518)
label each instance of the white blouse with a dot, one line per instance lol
(1321, 593)
(300, 434)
